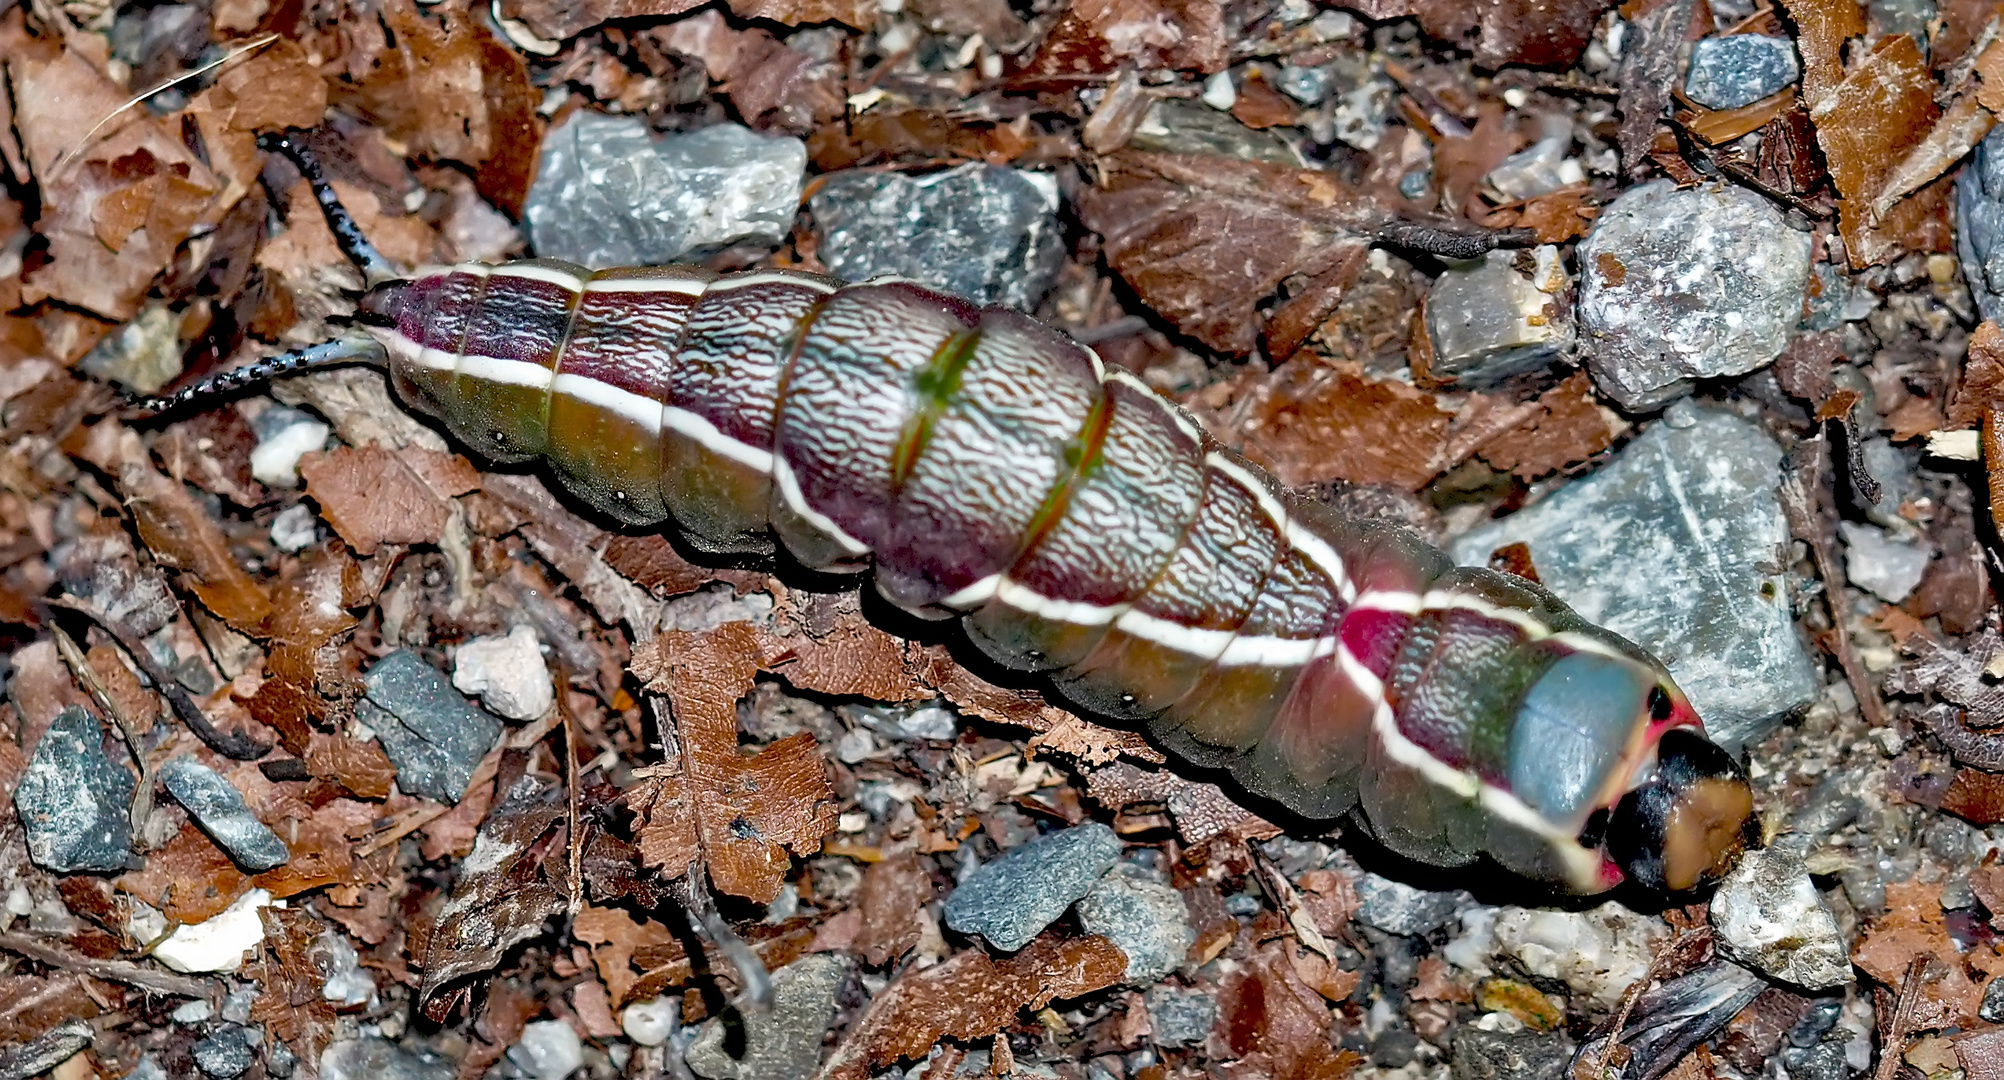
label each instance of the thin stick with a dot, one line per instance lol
(146, 978)
(68, 156)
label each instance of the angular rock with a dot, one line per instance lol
(1182, 127)
(1979, 224)
(507, 673)
(1508, 1055)
(1598, 952)
(925, 720)
(75, 802)
(372, 1057)
(219, 942)
(1768, 916)
(218, 807)
(548, 1050)
(1489, 320)
(228, 1052)
(1142, 915)
(1011, 900)
(1667, 546)
(785, 1041)
(284, 435)
(1883, 564)
(1729, 71)
(1397, 908)
(986, 232)
(1180, 1017)
(649, 1022)
(431, 734)
(609, 193)
(1687, 284)
(346, 984)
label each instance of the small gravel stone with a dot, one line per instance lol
(430, 733)
(1488, 320)
(926, 721)
(218, 807)
(548, 1050)
(649, 1022)
(373, 1057)
(1180, 1017)
(1188, 127)
(219, 942)
(1887, 566)
(295, 529)
(1542, 167)
(1768, 916)
(1597, 952)
(1666, 546)
(194, 1012)
(610, 193)
(1979, 221)
(229, 1052)
(1398, 908)
(1825, 1061)
(1508, 1055)
(143, 356)
(345, 982)
(74, 801)
(1009, 901)
(1142, 915)
(986, 232)
(1686, 284)
(284, 435)
(507, 673)
(1739, 69)
(785, 1042)
(1992, 1008)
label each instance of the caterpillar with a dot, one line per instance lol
(1082, 528)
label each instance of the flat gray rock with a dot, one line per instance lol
(432, 735)
(75, 802)
(1768, 915)
(1732, 70)
(1011, 900)
(1677, 285)
(609, 192)
(218, 807)
(1498, 316)
(372, 1057)
(985, 232)
(784, 1042)
(1671, 545)
(1144, 916)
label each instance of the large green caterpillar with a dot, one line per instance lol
(988, 467)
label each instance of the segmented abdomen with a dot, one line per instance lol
(1083, 526)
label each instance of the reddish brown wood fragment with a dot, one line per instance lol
(1311, 423)
(893, 891)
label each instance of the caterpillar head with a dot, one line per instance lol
(1688, 821)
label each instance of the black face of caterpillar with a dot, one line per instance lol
(1687, 824)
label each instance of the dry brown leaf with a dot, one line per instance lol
(615, 939)
(373, 495)
(1273, 1021)
(290, 1004)
(1952, 986)
(180, 534)
(1313, 422)
(1100, 36)
(894, 888)
(969, 996)
(500, 899)
(1530, 33)
(1205, 241)
(1982, 383)
(361, 767)
(1568, 428)
(749, 809)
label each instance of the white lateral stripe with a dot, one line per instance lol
(680, 284)
(549, 275)
(974, 595)
(1044, 607)
(643, 411)
(769, 277)
(796, 500)
(1189, 640)
(1098, 365)
(508, 372)
(1249, 650)
(1176, 415)
(702, 432)
(1582, 865)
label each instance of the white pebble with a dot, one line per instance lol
(549, 1050)
(1219, 93)
(275, 460)
(507, 673)
(218, 943)
(296, 528)
(649, 1022)
(193, 1012)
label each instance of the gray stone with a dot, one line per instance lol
(75, 802)
(609, 193)
(431, 734)
(985, 232)
(373, 1057)
(218, 807)
(548, 1050)
(1992, 1008)
(143, 356)
(1825, 1060)
(1508, 1055)
(1979, 224)
(1887, 566)
(1740, 69)
(1180, 1017)
(784, 1042)
(1011, 900)
(1668, 546)
(1542, 167)
(1768, 916)
(1488, 319)
(1894, 468)
(1687, 284)
(229, 1052)
(1397, 908)
(1142, 915)
(1181, 127)
(925, 720)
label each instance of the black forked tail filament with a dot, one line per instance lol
(342, 350)
(375, 268)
